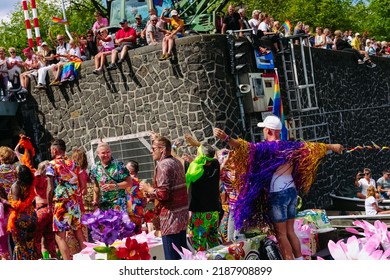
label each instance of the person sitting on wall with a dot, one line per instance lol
(139, 27)
(154, 34)
(270, 37)
(362, 57)
(31, 66)
(254, 36)
(125, 39)
(50, 58)
(107, 45)
(62, 55)
(177, 29)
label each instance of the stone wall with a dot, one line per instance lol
(191, 93)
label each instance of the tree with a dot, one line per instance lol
(78, 12)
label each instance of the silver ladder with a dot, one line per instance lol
(307, 120)
(299, 75)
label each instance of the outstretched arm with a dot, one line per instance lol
(191, 140)
(222, 135)
(337, 148)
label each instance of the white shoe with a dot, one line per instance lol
(360, 61)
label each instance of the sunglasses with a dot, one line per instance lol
(367, 173)
(155, 148)
(11, 52)
(155, 20)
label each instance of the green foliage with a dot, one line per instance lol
(78, 12)
(362, 15)
(358, 15)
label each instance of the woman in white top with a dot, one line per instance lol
(371, 204)
(106, 43)
(74, 52)
(14, 63)
(364, 182)
(320, 39)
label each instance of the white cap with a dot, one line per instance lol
(357, 34)
(43, 44)
(174, 13)
(272, 122)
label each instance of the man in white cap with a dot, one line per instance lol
(274, 161)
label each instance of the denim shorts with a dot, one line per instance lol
(282, 205)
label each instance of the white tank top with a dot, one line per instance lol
(282, 179)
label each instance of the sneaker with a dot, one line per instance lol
(163, 57)
(371, 65)
(120, 61)
(40, 86)
(168, 56)
(96, 72)
(55, 83)
(360, 61)
(112, 66)
(23, 91)
(365, 59)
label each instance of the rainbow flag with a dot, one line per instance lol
(277, 109)
(287, 26)
(57, 20)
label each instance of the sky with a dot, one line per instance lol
(6, 7)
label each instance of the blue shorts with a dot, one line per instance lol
(282, 205)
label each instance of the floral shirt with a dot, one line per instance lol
(64, 171)
(135, 202)
(114, 172)
(7, 175)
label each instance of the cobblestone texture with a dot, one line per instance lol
(185, 95)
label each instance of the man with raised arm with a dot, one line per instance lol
(272, 172)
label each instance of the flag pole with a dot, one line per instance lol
(64, 16)
(278, 106)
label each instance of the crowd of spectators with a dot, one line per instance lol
(265, 34)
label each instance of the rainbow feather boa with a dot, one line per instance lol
(255, 165)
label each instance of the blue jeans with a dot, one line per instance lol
(283, 205)
(179, 239)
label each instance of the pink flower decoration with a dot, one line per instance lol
(374, 245)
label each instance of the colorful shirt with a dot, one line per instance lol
(67, 213)
(176, 24)
(7, 175)
(114, 173)
(139, 28)
(171, 193)
(135, 203)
